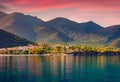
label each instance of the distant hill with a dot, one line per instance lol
(10, 40)
(115, 43)
(58, 30)
(48, 34)
(78, 31)
(113, 32)
(20, 24)
(32, 28)
(113, 35)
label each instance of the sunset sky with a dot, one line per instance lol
(104, 12)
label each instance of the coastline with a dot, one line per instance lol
(34, 54)
(87, 53)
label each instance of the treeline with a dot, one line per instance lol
(62, 48)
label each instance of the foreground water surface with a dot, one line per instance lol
(60, 69)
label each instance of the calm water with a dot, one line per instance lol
(60, 69)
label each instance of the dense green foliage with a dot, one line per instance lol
(61, 49)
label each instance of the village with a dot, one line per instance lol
(59, 49)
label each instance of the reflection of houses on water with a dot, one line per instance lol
(101, 61)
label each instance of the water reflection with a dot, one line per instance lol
(59, 68)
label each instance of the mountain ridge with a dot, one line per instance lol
(11, 40)
(58, 30)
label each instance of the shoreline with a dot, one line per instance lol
(90, 53)
(87, 53)
(34, 54)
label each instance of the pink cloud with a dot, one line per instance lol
(38, 5)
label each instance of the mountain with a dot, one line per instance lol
(78, 31)
(21, 25)
(31, 28)
(10, 40)
(2, 14)
(49, 34)
(58, 30)
(113, 32)
(115, 43)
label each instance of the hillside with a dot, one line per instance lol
(58, 30)
(78, 31)
(31, 28)
(10, 40)
(113, 32)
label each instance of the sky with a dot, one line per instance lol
(103, 12)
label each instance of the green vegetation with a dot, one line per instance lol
(60, 49)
